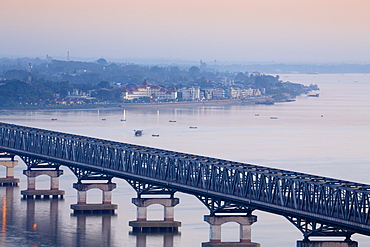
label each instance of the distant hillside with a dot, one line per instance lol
(212, 66)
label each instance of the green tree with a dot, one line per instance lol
(104, 95)
(194, 71)
(102, 61)
(104, 84)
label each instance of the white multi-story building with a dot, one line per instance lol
(151, 91)
(192, 93)
(237, 93)
(250, 92)
(206, 94)
(218, 93)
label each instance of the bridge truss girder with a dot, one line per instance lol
(85, 174)
(32, 162)
(80, 173)
(314, 228)
(217, 205)
(144, 188)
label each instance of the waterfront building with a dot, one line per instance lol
(151, 91)
(234, 93)
(237, 93)
(191, 93)
(218, 93)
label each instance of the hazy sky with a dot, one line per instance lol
(226, 30)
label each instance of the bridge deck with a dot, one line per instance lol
(337, 202)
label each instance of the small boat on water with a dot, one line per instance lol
(54, 119)
(138, 132)
(273, 117)
(103, 119)
(172, 121)
(155, 135)
(123, 120)
(193, 127)
(313, 95)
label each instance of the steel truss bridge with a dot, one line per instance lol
(317, 206)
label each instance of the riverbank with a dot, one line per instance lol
(224, 102)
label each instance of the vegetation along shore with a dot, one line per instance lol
(58, 84)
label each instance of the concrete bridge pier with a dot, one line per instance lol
(346, 243)
(9, 180)
(54, 191)
(245, 223)
(94, 208)
(142, 224)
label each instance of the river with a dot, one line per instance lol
(327, 135)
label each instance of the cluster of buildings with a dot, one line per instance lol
(146, 92)
(158, 93)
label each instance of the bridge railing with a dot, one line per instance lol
(279, 191)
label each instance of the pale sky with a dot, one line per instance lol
(225, 30)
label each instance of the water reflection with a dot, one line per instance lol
(83, 235)
(38, 220)
(142, 238)
(6, 212)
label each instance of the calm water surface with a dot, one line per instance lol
(328, 136)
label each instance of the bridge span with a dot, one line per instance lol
(317, 206)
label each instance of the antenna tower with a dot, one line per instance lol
(29, 73)
(47, 62)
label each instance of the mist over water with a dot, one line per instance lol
(327, 136)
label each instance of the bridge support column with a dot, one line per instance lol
(168, 224)
(54, 184)
(89, 208)
(9, 180)
(245, 223)
(327, 243)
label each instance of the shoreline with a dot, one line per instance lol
(225, 102)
